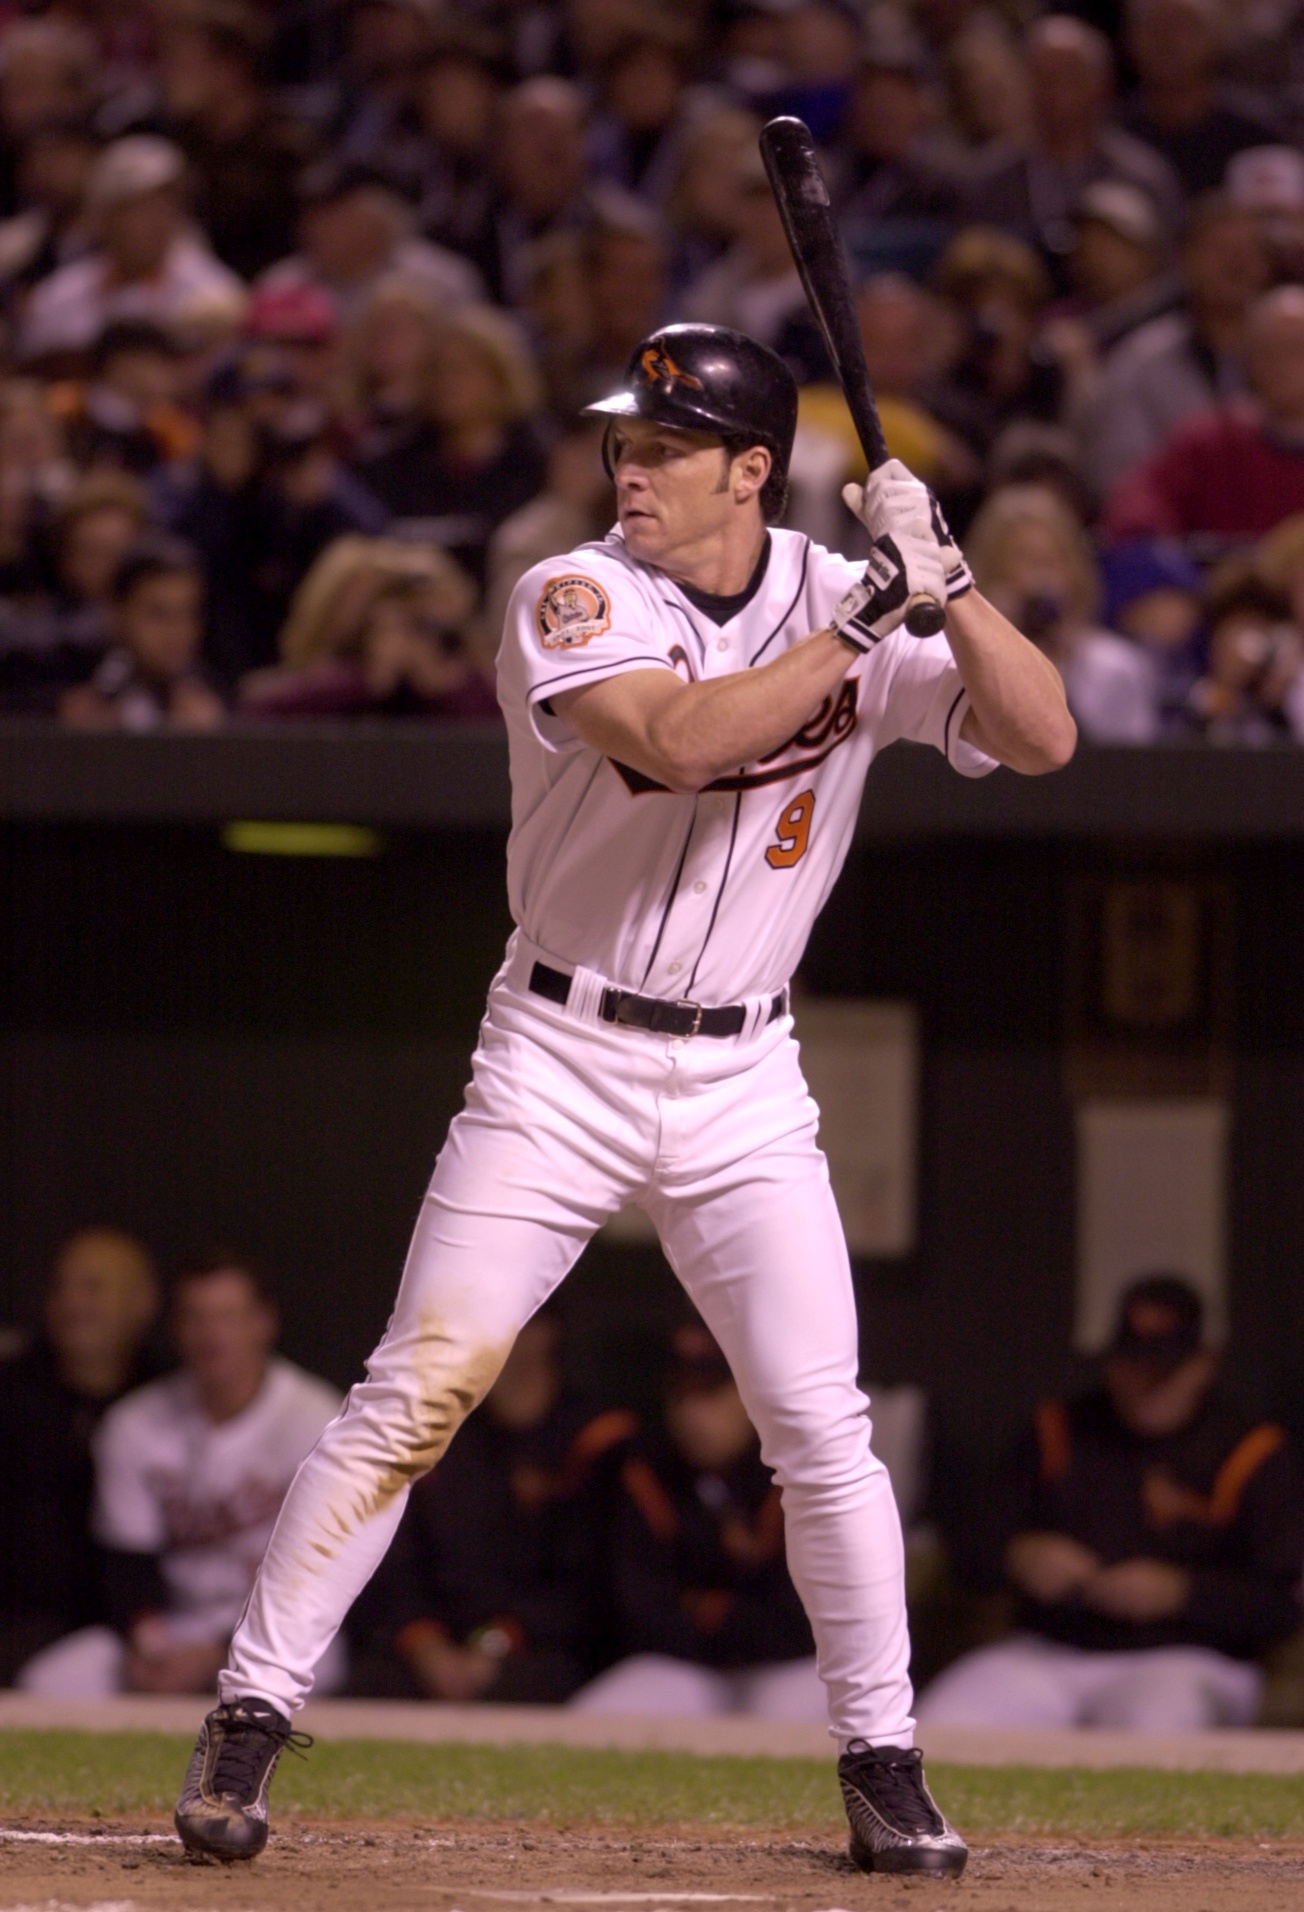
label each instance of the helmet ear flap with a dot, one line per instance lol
(607, 465)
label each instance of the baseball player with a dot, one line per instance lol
(692, 705)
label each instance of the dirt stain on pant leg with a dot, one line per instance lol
(443, 1403)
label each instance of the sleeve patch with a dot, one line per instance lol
(570, 611)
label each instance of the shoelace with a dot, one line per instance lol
(897, 1784)
(244, 1752)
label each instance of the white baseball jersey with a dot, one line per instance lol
(708, 897)
(204, 1496)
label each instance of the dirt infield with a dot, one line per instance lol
(137, 1867)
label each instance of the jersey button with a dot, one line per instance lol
(722, 643)
(698, 888)
(675, 968)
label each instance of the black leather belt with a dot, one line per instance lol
(654, 1013)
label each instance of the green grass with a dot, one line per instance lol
(111, 1773)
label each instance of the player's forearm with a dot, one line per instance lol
(715, 726)
(1019, 711)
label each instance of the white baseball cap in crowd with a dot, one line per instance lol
(1266, 179)
(1126, 209)
(138, 164)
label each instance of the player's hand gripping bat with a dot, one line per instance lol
(803, 201)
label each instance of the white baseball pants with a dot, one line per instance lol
(566, 1120)
(1028, 1681)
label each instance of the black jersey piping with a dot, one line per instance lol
(670, 900)
(801, 586)
(719, 895)
(640, 785)
(946, 728)
(697, 635)
(601, 670)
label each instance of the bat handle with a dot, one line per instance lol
(925, 616)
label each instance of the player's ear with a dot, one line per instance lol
(751, 468)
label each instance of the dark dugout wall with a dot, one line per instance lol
(266, 1051)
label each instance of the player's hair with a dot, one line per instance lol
(153, 555)
(774, 492)
(217, 1260)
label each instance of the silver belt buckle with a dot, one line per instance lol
(698, 1012)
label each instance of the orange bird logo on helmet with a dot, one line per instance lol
(658, 366)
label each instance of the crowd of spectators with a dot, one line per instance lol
(300, 301)
(1149, 1533)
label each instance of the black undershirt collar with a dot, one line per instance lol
(721, 609)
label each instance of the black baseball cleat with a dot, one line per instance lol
(895, 1824)
(222, 1811)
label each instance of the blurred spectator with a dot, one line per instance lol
(1155, 1534)
(903, 193)
(1253, 689)
(1003, 369)
(385, 42)
(476, 458)
(1154, 595)
(1032, 559)
(457, 89)
(124, 415)
(98, 1308)
(262, 498)
(1029, 453)
(375, 630)
(705, 196)
(638, 129)
(1237, 471)
(35, 478)
(816, 49)
(292, 336)
(1186, 361)
(541, 171)
(559, 312)
(754, 286)
(988, 96)
(577, 503)
(1179, 109)
(1268, 182)
(190, 1473)
(1118, 262)
(1033, 193)
(706, 1613)
(1279, 561)
(388, 356)
(244, 154)
(148, 262)
(47, 75)
(624, 265)
(493, 1589)
(54, 168)
(56, 629)
(354, 231)
(152, 677)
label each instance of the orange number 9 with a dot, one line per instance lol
(793, 832)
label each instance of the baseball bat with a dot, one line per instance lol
(803, 201)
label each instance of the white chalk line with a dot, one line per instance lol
(560, 1895)
(16, 1837)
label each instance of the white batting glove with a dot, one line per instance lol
(891, 503)
(894, 502)
(896, 570)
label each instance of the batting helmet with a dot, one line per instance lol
(707, 378)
